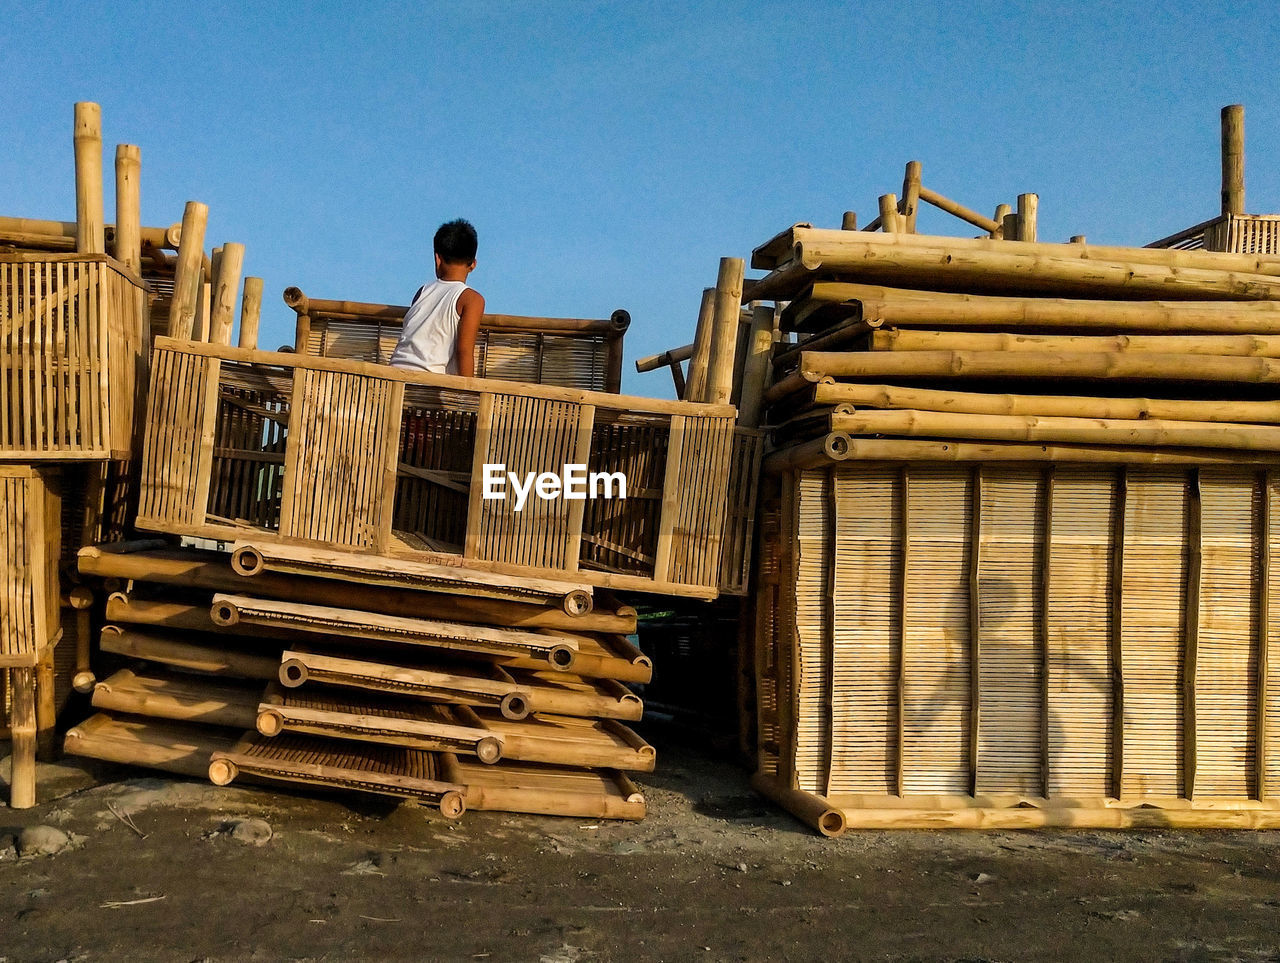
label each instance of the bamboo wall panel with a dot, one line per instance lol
(740, 508)
(813, 660)
(72, 356)
(30, 548)
(1078, 615)
(262, 447)
(1268, 783)
(937, 657)
(1152, 599)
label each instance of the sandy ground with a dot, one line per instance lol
(714, 873)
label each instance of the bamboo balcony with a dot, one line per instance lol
(276, 448)
(73, 336)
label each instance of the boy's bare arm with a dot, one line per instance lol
(470, 311)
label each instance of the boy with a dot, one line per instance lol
(441, 325)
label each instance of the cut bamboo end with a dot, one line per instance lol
(247, 561)
(620, 320)
(452, 804)
(270, 722)
(84, 682)
(293, 673)
(224, 613)
(222, 772)
(577, 603)
(514, 706)
(809, 808)
(80, 597)
(561, 657)
(489, 750)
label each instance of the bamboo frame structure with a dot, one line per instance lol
(73, 357)
(234, 438)
(568, 352)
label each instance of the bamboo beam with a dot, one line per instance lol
(890, 220)
(1041, 364)
(187, 278)
(250, 312)
(727, 305)
(756, 367)
(128, 235)
(1066, 406)
(992, 227)
(226, 286)
(903, 307)
(213, 658)
(914, 339)
(1028, 212)
(90, 233)
(910, 196)
(61, 235)
(655, 361)
(1233, 159)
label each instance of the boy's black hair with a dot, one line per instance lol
(456, 242)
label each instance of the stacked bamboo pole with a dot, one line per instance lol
(392, 698)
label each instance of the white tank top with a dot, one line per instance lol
(430, 332)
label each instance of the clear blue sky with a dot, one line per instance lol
(610, 154)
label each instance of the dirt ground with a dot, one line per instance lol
(714, 873)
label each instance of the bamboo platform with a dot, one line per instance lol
(235, 439)
(568, 352)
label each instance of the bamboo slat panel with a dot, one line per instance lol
(765, 637)
(259, 446)
(740, 509)
(72, 356)
(1244, 234)
(30, 547)
(813, 660)
(1078, 614)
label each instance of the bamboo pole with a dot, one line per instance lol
(1058, 430)
(187, 278)
(912, 339)
(173, 747)
(1233, 159)
(849, 221)
(181, 653)
(700, 355)
(1028, 212)
(128, 233)
(960, 402)
(756, 367)
(655, 361)
(90, 232)
(1010, 228)
(1040, 364)
(992, 227)
(201, 330)
(911, 195)
(250, 312)
(22, 734)
(890, 220)
(226, 286)
(727, 306)
(61, 235)
(810, 808)
(890, 306)
(1002, 212)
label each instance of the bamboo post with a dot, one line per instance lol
(1028, 206)
(890, 221)
(128, 228)
(201, 330)
(1009, 230)
(727, 306)
(911, 195)
(1233, 159)
(1002, 211)
(22, 732)
(849, 222)
(90, 232)
(1077, 239)
(187, 278)
(226, 284)
(755, 368)
(699, 360)
(250, 312)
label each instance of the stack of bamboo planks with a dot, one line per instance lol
(472, 694)
(1017, 529)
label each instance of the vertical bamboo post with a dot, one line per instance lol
(187, 278)
(911, 195)
(201, 330)
(250, 312)
(90, 232)
(215, 266)
(890, 221)
(22, 732)
(727, 304)
(128, 243)
(699, 361)
(1233, 159)
(756, 367)
(1010, 232)
(46, 707)
(1028, 207)
(849, 222)
(1002, 211)
(1077, 239)
(226, 284)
